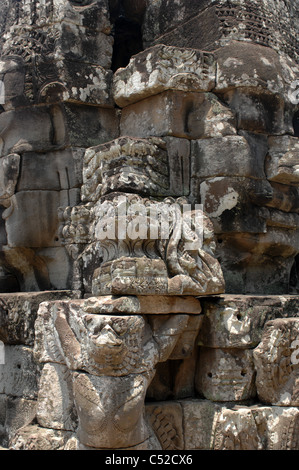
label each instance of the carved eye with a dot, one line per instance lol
(120, 327)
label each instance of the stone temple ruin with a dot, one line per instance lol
(116, 116)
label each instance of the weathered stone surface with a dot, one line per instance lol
(224, 156)
(227, 427)
(156, 305)
(19, 374)
(9, 173)
(18, 314)
(238, 321)
(280, 425)
(276, 361)
(110, 410)
(250, 66)
(229, 202)
(33, 437)
(32, 221)
(21, 130)
(126, 163)
(270, 116)
(163, 68)
(200, 415)
(225, 374)
(61, 170)
(282, 160)
(149, 166)
(180, 114)
(55, 402)
(166, 420)
(20, 412)
(213, 24)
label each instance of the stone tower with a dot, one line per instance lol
(149, 230)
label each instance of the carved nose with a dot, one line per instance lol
(107, 337)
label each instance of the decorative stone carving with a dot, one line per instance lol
(277, 363)
(162, 68)
(238, 321)
(225, 374)
(112, 359)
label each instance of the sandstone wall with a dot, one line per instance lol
(185, 111)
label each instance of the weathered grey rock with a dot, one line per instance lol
(181, 114)
(19, 375)
(9, 173)
(166, 420)
(276, 361)
(227, 427)
(238, 321)
(250, 66)
(20, 412)
(282, 160)
(163, 68)
(18, 314)
(211, 25)
(33, 437)
(224, 156)
(140, 305)
(62, 170)
(55, 402)
(225, 374)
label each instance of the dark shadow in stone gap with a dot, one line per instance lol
(127, 42)
(296, 124)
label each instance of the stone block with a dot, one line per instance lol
(230, 202)
(258, 263)
(178, 151)
(164, 15)
(163, 68)
(180, 114)
(277, 426)
(149, 166)
(226, 427)
(282, 163)
(73, 81)
(238, 321)
(19, 375)
(138, 165)
(248, 65)
(225, 374)
(96, 16)
(224, 156)
(259, 111)
(51, 171)
(87, 126)
(55, 402)
(18, 314)
(218, 25)
(185, 34)
(32, 220)
(156, 305)
(276, 361)
(26, 130)
(9, 174)
(166, 420)
(199, 417)
(34, 437)
(20, 412)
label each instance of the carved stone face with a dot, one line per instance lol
(114, 342)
